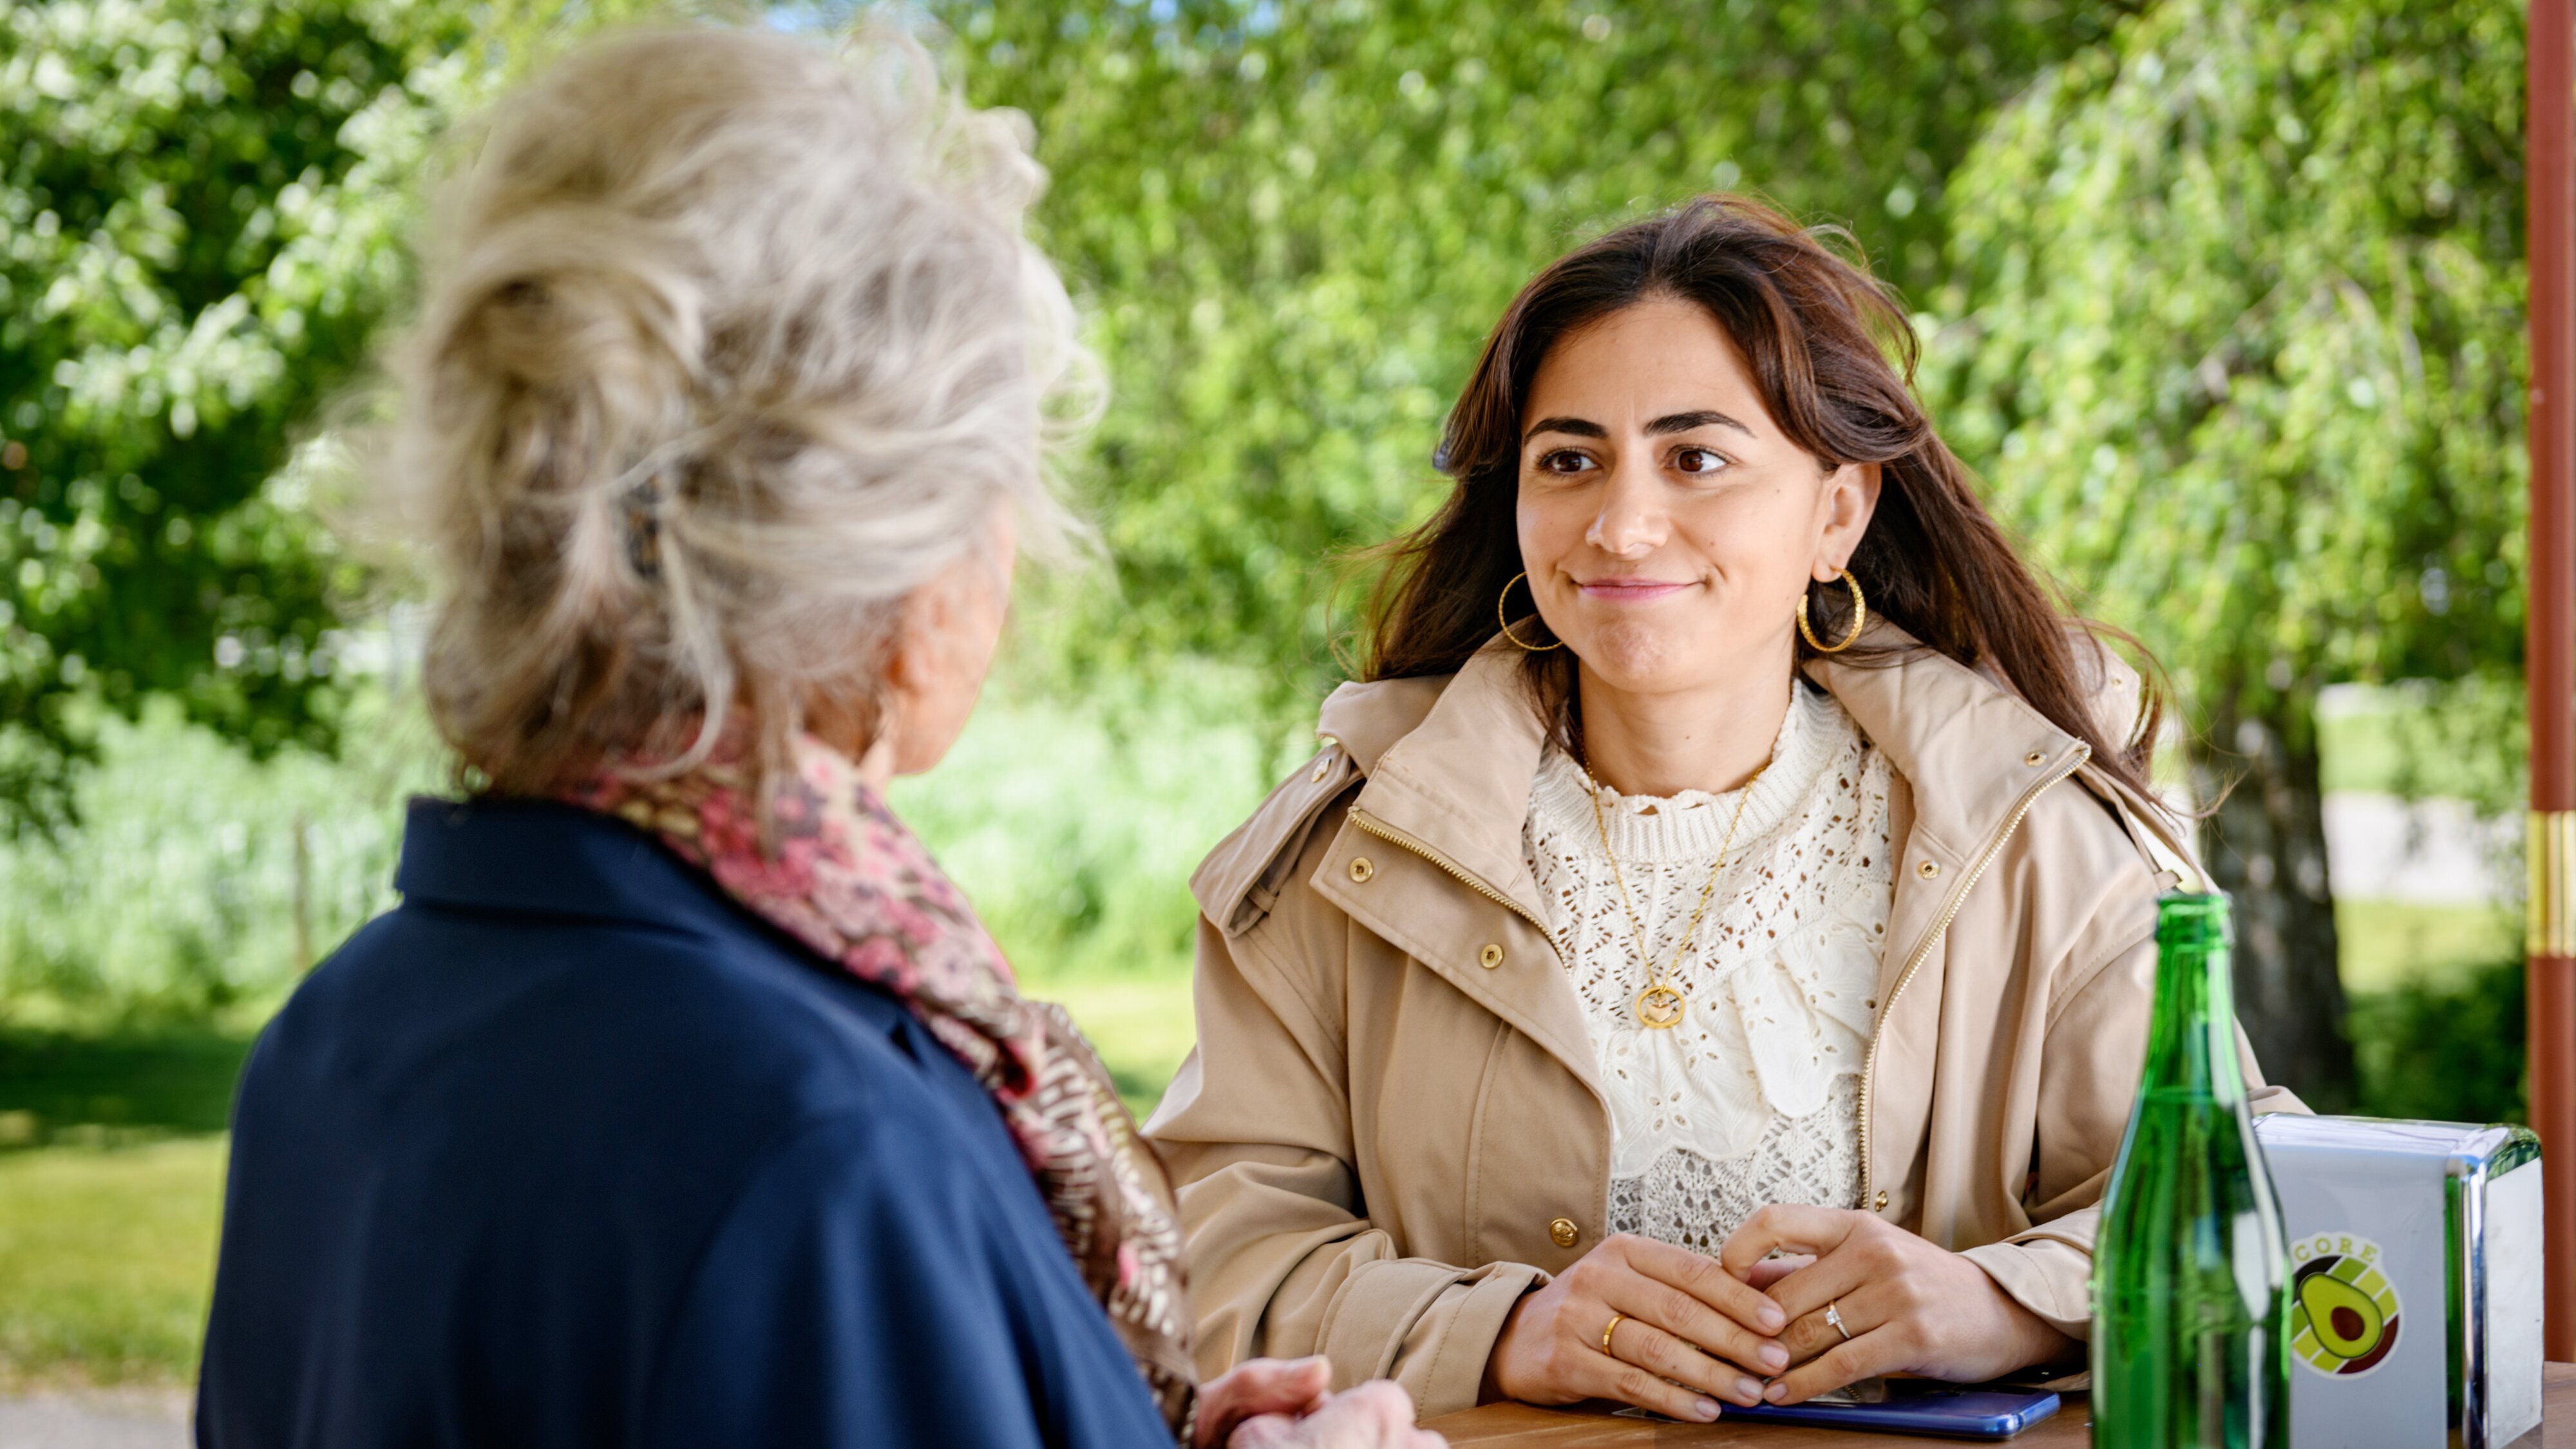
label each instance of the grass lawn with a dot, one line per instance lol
(1141, 1027)
(106, 1255)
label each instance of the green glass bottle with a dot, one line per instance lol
(2190, 1270)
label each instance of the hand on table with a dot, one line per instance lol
(1683, 1333)
(1906, 1306)
(1293, 1387)
(1268, 1403)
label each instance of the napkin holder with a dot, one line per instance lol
(2415, 1253)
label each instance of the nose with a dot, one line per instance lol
(1632, 521)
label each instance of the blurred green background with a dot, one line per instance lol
(2221, 297)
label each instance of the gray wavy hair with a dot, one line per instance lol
(727, 344)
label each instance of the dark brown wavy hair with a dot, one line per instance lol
(1816, 330)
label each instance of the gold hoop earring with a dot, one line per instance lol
(1504, 619)
(1860, 616)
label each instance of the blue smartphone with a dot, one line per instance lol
(1939, 1411)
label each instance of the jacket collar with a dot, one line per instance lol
(1450, 763)
(541, 858)
(1968, 747)
(1459, 780)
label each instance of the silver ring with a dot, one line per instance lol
(1834, 1316)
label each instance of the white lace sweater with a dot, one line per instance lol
(1753, 1098)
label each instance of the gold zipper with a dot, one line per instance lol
(1388, 833)
(1958, 898)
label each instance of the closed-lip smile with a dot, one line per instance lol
(1627, 590)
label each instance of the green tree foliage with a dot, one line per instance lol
(202, 213)
(199, 205)
(1293, 223)
(2239, 343)
(2445, 1051)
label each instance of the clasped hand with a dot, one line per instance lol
(1677, 1332)
(1268, 1403)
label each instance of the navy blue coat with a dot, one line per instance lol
(571, 1150)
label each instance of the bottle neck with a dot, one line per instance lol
(2191, 1043)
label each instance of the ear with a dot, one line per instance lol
(1850, 498)
(908, 640)
(921, 656)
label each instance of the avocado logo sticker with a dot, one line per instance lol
(2343, 1310)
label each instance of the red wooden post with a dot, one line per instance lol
(2550, 943)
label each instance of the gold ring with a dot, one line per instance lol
(1615, 1320)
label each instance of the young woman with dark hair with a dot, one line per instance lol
(1710, 959)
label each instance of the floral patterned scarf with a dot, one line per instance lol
(852, 883)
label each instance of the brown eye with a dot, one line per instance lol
(1563, 460)
(1698, 461)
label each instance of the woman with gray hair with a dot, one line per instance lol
(684, 1100)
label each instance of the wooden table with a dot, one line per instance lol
(1520, 1426)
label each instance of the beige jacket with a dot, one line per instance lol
(1392, 1127)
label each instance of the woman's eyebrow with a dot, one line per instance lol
(1684, 422)
(1669, 423)
(1579, 427)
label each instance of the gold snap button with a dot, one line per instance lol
(1879, 1205)
(1562, 1232)
(2034, 759)
(1927, 869)
(1490, 957)
(1361, 870)
(1323, 766)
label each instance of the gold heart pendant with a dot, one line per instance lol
(1660, 1007)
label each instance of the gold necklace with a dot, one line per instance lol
(1660, 1006)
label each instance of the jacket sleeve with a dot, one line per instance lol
(2095, 1047)
(1256, 1131)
